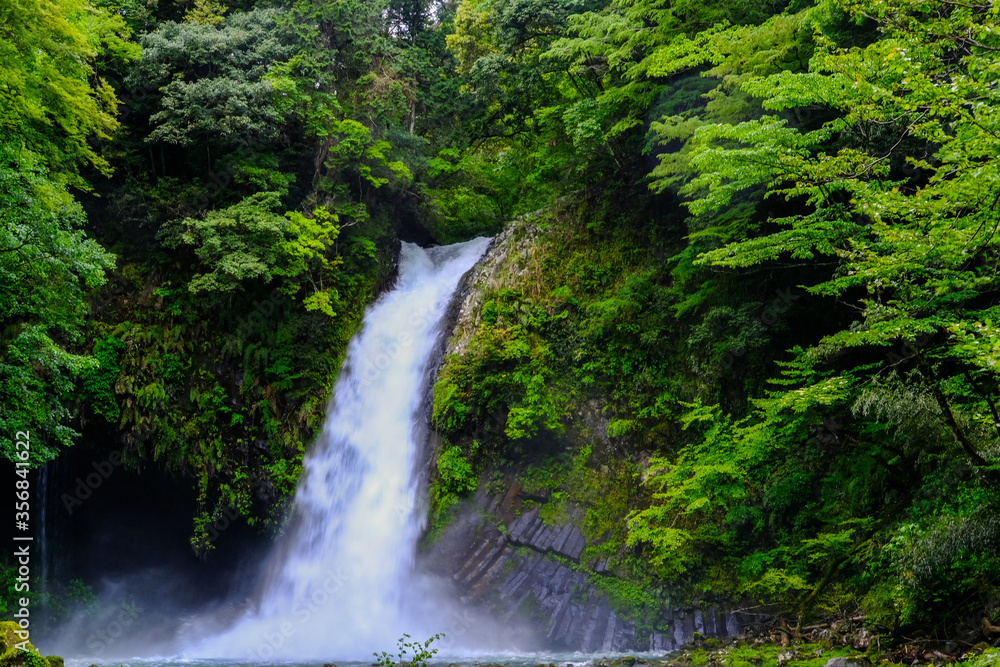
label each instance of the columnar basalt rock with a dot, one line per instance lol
(522, 569)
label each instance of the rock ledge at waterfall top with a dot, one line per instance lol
(509, 258)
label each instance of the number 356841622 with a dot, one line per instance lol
(22, 450)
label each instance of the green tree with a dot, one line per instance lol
(237, 244)
(879, 167)
(209, 78)
(900, 188)
(47, 268)
(52, 100)
(54, 108)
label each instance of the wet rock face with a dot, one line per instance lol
(530, 573)
(500, 554)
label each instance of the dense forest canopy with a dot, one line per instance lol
(771, 253)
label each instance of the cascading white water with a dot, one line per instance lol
(337, 585)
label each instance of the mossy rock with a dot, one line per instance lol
(626, 661)
(12, 656)
(55, 661)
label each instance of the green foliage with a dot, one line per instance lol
(238, 244)
(870, 202)
(305, 254)
(988, 657)
(53, 106)
(794, 368)
(99, 382)
(15, 651)
(206, 12)
(455, 472)
(352, 160)
(630, 598)
(53, 100)
(504, 375)
(250, 238)
(463, 199)
(890, 183)
(62, 602)
(421, 652)
(338, 43)
(248, 243)
(234, 386)
(537, 350)
(355, 148)
(47, 265)
(208, 75)
(769, 655)
(456, 478)
(942, 564)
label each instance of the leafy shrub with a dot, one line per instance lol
(99, 382)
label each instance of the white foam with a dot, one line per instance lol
(337, 584)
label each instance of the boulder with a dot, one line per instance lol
(862, 639)
(785, 657)
(11, 636)
(856, 661)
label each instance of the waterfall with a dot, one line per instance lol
(42, 495)
(340, 584)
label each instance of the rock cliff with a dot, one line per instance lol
(509, 552)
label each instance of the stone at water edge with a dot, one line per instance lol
(848, 662)
(785, 657)
(626, 661)
(11, 656)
